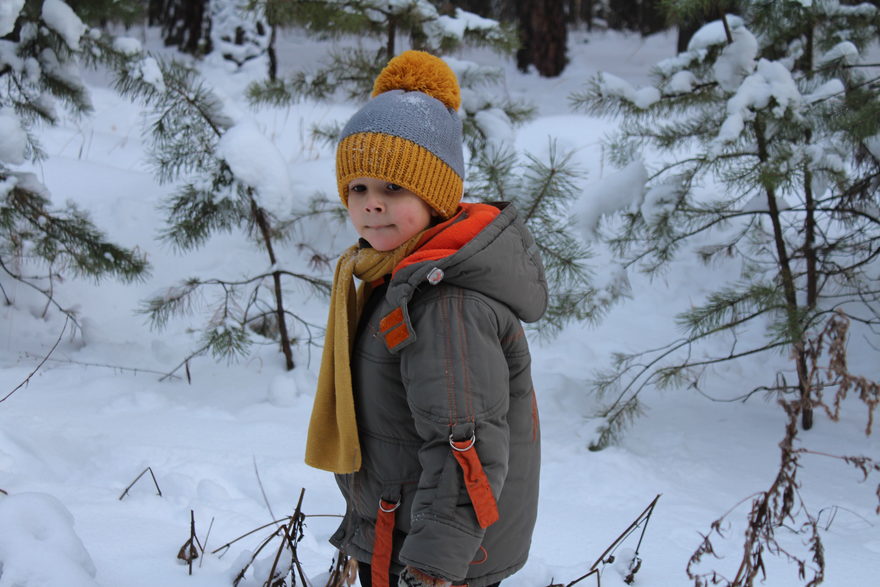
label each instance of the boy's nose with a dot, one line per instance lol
(374, 203)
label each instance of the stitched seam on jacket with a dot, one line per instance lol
(392, 439)
(450, 372)
(463, 349)
(486, 414)
(434, 518)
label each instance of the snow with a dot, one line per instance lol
(770, 81)
(873, 145)
(61, 18)
(9, 11)
(258, 163)
(149, 71)
(38, 529)
(758, 203)
(643, 97)
(127, 45)
(13, 140)
(713, 33)
(846, 52)
(97, 413)
(681, 82)
(462, 22)
(619, 191)
(737, 60)
(831, 88)
(495, 125)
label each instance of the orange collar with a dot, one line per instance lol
(448, 237)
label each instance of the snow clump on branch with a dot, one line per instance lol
(61, 18)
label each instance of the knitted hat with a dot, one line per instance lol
(409, 133)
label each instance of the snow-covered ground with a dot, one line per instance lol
(96, 414)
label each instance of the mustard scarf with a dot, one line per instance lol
(332, 442)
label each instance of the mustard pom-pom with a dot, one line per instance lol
(417, 71)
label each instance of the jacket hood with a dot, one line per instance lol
(501, 262)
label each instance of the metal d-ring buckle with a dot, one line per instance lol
(467, 448)
(382, 508)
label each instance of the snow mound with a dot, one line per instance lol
(38, 545)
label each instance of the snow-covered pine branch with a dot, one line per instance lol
(41, 58)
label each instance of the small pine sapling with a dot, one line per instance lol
(194, 140)
(759, 151)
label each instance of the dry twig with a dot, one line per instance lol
(607, 556)
(40, 364)
(136, 479)
(190, 549)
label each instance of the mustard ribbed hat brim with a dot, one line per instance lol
(402, 162)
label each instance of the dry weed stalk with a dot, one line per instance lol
(190, 549)
(607, 557)
(136, 479)
(291, 532)
(343, 572)
(782, 504)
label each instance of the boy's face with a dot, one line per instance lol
(385, 214)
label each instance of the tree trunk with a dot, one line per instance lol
(480, 7)
(581, 11)
(263, 224)
(810, 228)
(273, 56)
(391, 37)
(623, 15)
(792, 309)
(187, 26)
(645, 16)
(543, 36)
(651, 17)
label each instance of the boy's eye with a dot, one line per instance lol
(358, 187)
(393, 187)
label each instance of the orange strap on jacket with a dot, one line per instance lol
(475, 480)
(381, 564)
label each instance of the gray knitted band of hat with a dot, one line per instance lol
(416, 117)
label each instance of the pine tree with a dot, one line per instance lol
(353, 70)
(197, 145)
(42, 50)
(543, 190)
(778, 109)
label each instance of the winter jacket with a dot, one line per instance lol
(441, 355)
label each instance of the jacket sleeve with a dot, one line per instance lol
(457, 384)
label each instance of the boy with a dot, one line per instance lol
(425, 408)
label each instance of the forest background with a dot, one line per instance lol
(709, 226)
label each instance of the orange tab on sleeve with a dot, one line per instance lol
(475, 480)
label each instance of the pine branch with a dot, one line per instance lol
(45, 358)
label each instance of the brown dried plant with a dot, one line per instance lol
(782, 504)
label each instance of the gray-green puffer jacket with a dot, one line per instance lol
(462, 369)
